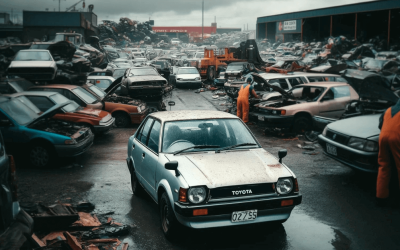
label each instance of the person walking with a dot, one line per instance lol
(243, 104)
(389, 152)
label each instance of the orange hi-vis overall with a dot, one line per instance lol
(243, 104)
(389, 152)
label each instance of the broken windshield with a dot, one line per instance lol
(179, 135)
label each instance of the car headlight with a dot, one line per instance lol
(70, 142)
(325, 130)
(284, 186)
(139, 110)
(356, 143)
(197, 194)
(371, 146)
(197, 79)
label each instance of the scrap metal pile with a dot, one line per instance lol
(127, 31)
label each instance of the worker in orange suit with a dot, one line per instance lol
(389, 152)
(243, 104)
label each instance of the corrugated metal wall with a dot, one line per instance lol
(51, 19)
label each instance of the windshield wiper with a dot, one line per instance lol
(197, 146)
(237, 145)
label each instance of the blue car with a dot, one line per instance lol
(40, 136)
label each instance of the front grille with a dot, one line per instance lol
(230, 192)
(339, 138)
(148, 83)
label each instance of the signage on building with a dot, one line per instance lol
(291, 26)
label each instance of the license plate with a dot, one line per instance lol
(244, 215)
(261, 118)
(331, 149)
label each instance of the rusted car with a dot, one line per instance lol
(296, 107)
(124, 114)
(97, 120)
(285, 65)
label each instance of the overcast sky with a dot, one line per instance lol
(229, 13)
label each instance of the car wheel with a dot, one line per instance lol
(121, 120)
(41, 155)
(302, 124)
(169, 223)
(137, 189)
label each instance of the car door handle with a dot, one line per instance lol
(143, 155)
(133, 146)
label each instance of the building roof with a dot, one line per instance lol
(337, 10)
(182, 115)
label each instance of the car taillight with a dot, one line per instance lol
(183, 194)
(13, 178)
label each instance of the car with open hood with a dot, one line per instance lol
(195, 165)
(125, 111)
(296, 107)
(40, 137)
(97, 120)
(34, 65)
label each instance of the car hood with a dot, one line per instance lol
(352, 126)
(91, 112)
(50, 113)
(230, 168)
(260, 80)
(147, 78)
(33, 64)
(113, 87)
(187, 76)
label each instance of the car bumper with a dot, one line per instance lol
(273, 121)
(219, 214)
(188, 84)
(137, 118)
(356, 159)
(76, 149)
(105, 127)
(13, 237)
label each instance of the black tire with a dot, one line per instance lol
(137, 189)
(121, 120)
(41, 155)
(169, 224)
(302, 124)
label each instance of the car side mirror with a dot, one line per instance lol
(172, 165)
(281, 154)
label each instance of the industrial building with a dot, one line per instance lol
(227, 30)
(362, 21)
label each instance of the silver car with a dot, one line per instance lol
(186, 77)
(205, 169)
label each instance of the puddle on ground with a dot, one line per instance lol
(305, 232)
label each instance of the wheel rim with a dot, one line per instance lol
(165, 221)
(39, 156)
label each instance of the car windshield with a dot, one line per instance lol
(118, 73)
(307, 93)
(97, 91)
(39, 46)
(85, 95)
(33, 56)
(144, 72)
(60, 99)
(223, 133)
(18, 111)
(235, 67)
(375, 64)
(188, 71)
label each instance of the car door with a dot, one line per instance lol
(333, 103)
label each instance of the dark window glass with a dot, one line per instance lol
(282, 83)
(144, 133)
(316, 79)
(154, 137)
(295, 81)
(43, 103)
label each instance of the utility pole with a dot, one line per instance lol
(202, 23)
(59, 4)
(247, 26)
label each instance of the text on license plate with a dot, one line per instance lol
(261, 118)
(244, 215)
(331, 149)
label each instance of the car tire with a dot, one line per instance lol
(169, 224)
(41, 155)
(121, 120)
(137, 189)
(302, 124)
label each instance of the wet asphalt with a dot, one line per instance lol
(337, 212)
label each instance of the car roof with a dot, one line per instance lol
(101, 77)
(57, 86)
(325, 84)
(183, 115)
(34, 93)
